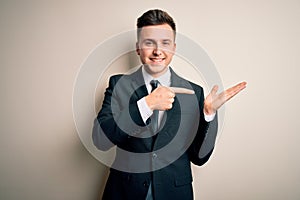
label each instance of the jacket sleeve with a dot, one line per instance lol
(114, 123)
(204, 141)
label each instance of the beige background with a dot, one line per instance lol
(44, 43)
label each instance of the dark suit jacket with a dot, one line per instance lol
(166, 157)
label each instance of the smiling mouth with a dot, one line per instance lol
(157, 59)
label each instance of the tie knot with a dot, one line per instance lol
(154, 84)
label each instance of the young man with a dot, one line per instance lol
(159, 121)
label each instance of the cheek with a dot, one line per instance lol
(169, 55)
(145, 52)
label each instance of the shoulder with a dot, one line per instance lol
(115, 78)
(133, 75)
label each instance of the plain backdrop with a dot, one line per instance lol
(44, 43)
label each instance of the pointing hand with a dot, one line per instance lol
(162, 97)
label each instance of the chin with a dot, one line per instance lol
(155, 69)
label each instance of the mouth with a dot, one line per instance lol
(157, 60)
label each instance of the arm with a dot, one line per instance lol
(204, 141)
(115, 118)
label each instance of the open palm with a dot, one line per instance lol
(214, 101)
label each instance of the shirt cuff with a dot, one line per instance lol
(209, 118)
(144, 109)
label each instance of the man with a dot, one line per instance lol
(155, 113)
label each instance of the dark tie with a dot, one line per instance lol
(154, 118)
(154, 126)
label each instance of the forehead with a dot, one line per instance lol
(157, 32)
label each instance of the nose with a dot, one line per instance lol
(157, 50)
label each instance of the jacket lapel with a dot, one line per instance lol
(138, 84)
(171, 119)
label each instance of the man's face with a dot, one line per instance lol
(156, 47)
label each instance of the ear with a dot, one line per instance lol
(137, 48)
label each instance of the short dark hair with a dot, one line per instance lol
(155, 17)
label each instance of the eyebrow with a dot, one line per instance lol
(148, 39)
(153, 40)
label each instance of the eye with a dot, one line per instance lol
(149, 43)
(166, 43)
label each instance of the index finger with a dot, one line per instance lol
(179, 90)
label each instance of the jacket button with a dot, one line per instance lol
(146, 184)
(154, 155)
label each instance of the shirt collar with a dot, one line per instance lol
(164, 79)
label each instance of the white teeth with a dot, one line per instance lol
(157, 59)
